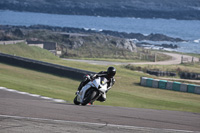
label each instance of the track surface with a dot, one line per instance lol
(18, 113)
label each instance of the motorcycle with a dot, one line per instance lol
(91, 91)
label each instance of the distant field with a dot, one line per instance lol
(187, 67)
(21, 49)
(115, 54)
(126, 92)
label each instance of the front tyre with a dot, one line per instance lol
(75, 101)
(89, 96)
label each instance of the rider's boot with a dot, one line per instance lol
(91, 103)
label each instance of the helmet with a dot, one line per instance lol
(111, 71)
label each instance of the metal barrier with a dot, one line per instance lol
(46, 67)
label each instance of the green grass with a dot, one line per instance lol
(21, 49)
(187, 67)
(109, 59)
(36, 82)
(108, 52)
(125, 93)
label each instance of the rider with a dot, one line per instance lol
(109, 75)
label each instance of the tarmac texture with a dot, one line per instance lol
(24, 113)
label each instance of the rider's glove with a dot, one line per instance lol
(93, 76)
(87, 76)
(108, 89)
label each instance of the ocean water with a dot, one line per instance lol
(185, 29)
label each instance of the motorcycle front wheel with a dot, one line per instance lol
(75, 101)
(89, 96)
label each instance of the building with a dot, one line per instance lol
(50, 46)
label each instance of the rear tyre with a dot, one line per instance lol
(89, 96)
(75, 101)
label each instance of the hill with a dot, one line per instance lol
(177, 9)
(24, 50)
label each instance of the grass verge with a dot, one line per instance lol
(125, 93)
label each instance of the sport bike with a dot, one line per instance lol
(91, 91)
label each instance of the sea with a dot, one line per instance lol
(188, 30)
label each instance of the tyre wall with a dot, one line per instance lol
(161, 73)
(185, 75)
(169, 85)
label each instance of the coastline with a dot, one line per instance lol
(151, 41)
(184, 10)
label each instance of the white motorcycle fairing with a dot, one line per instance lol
(99, 83)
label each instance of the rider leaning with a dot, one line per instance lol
(109, 75)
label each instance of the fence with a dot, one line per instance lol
(186, 59)
(169, 85)
(55, 69)
(11, 42)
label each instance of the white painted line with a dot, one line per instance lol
(33, 95)
(24, 93)
(47, 98)
(58, 100)
(97, 124)
(174, 130)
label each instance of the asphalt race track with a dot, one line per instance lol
(176, 59)
(23, 113)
